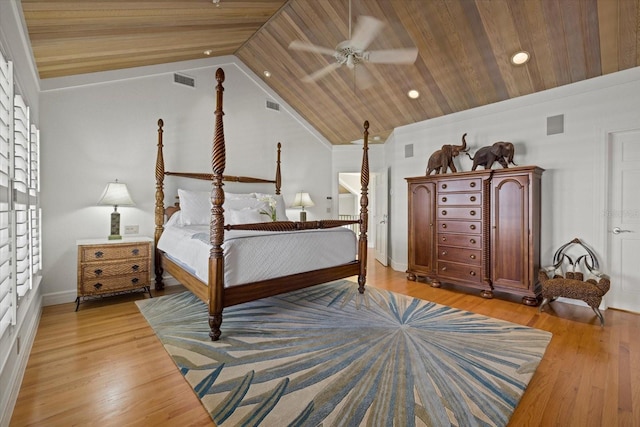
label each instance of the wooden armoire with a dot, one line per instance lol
(479, 229)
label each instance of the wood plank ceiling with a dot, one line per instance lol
(463, 62)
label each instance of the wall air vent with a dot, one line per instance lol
(184, 80)
(273, 106)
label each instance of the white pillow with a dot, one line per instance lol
(195, 207)
(281, 208)
(244, 216)
(235, 196)
(242, 203)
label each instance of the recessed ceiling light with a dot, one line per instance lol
(413, 94)
(520, 58)
(208, 52)
(267, 73)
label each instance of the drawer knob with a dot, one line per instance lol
(444, 268)
(444, 225)
(473, 227)
(444, 199)
(444, 252)
(444, 212)
(473, 241)
(472, 198)
(135, 251)
(99, 254)
(472, 256)
(444, 186)
(135, 280)
(473, 184)
(98, 272)
(135, 267)
(472, 213)
(472, 273)
(97, 285)
(444, 239)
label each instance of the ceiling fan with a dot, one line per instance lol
(352, 52)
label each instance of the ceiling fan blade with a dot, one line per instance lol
(320, 73)
(392, 56)
(308, 47)
(366, 30)
(363, 77)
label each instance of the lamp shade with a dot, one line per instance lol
(116, 194)
(302, 200)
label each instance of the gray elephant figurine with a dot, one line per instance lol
(442, 159)
(500, 151)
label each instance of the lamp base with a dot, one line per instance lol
(303, 216)
(115, 226)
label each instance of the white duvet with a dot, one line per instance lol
(250, 256)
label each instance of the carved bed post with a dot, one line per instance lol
(216, 256)
(159, 210)
(364, 215)
(278, 178)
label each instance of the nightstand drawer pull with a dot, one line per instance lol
(97, 285)
(99, 254)
(135, 251)
(135, 280)
(98, 272)
(135, 267)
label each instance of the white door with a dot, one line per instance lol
(382, 216)
(623, 228)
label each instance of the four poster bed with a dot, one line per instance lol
(313, 252)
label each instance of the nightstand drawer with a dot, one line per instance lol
(462, 240)
(113, 268)
(460, 199)
(113, 284)
(469, 273)
(115, 251)
(466, 256)
(460, 213)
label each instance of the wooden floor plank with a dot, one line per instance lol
(103, 365)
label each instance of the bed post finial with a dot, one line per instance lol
(364, 215)
(159, 208)
(278, 177)
(216, 260)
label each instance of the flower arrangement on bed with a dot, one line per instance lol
(225, 236)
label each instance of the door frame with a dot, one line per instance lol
(606, 133)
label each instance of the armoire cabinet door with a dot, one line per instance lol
(422, 222)
(510, 232)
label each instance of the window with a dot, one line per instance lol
(20, 216)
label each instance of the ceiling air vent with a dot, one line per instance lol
(184, 80)
(273, 106)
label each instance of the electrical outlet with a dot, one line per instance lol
(131, 229)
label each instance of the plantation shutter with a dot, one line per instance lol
(35, 213)
(7, 302)
(21, 147)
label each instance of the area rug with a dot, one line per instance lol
(328, 356)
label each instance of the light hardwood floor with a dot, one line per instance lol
(104, 366)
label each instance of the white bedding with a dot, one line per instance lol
(250, 256)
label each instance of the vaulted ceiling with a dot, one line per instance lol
(464, 48)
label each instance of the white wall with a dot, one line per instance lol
(573, 185)
(94, 132)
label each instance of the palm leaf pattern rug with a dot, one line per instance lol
(326, 356)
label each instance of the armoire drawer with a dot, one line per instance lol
(469, 273)
(470, 227)
(460, 255)
(460, 199)
(460, 185)
(460, 213)
(461, 240)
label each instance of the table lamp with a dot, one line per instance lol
(302, 200)
(115, 194)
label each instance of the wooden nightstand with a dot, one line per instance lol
(113, 266)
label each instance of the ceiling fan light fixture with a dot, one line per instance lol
(520, 57)
(350, 61)
(413, 94)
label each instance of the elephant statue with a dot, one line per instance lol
(499, 151)
(442, 159)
